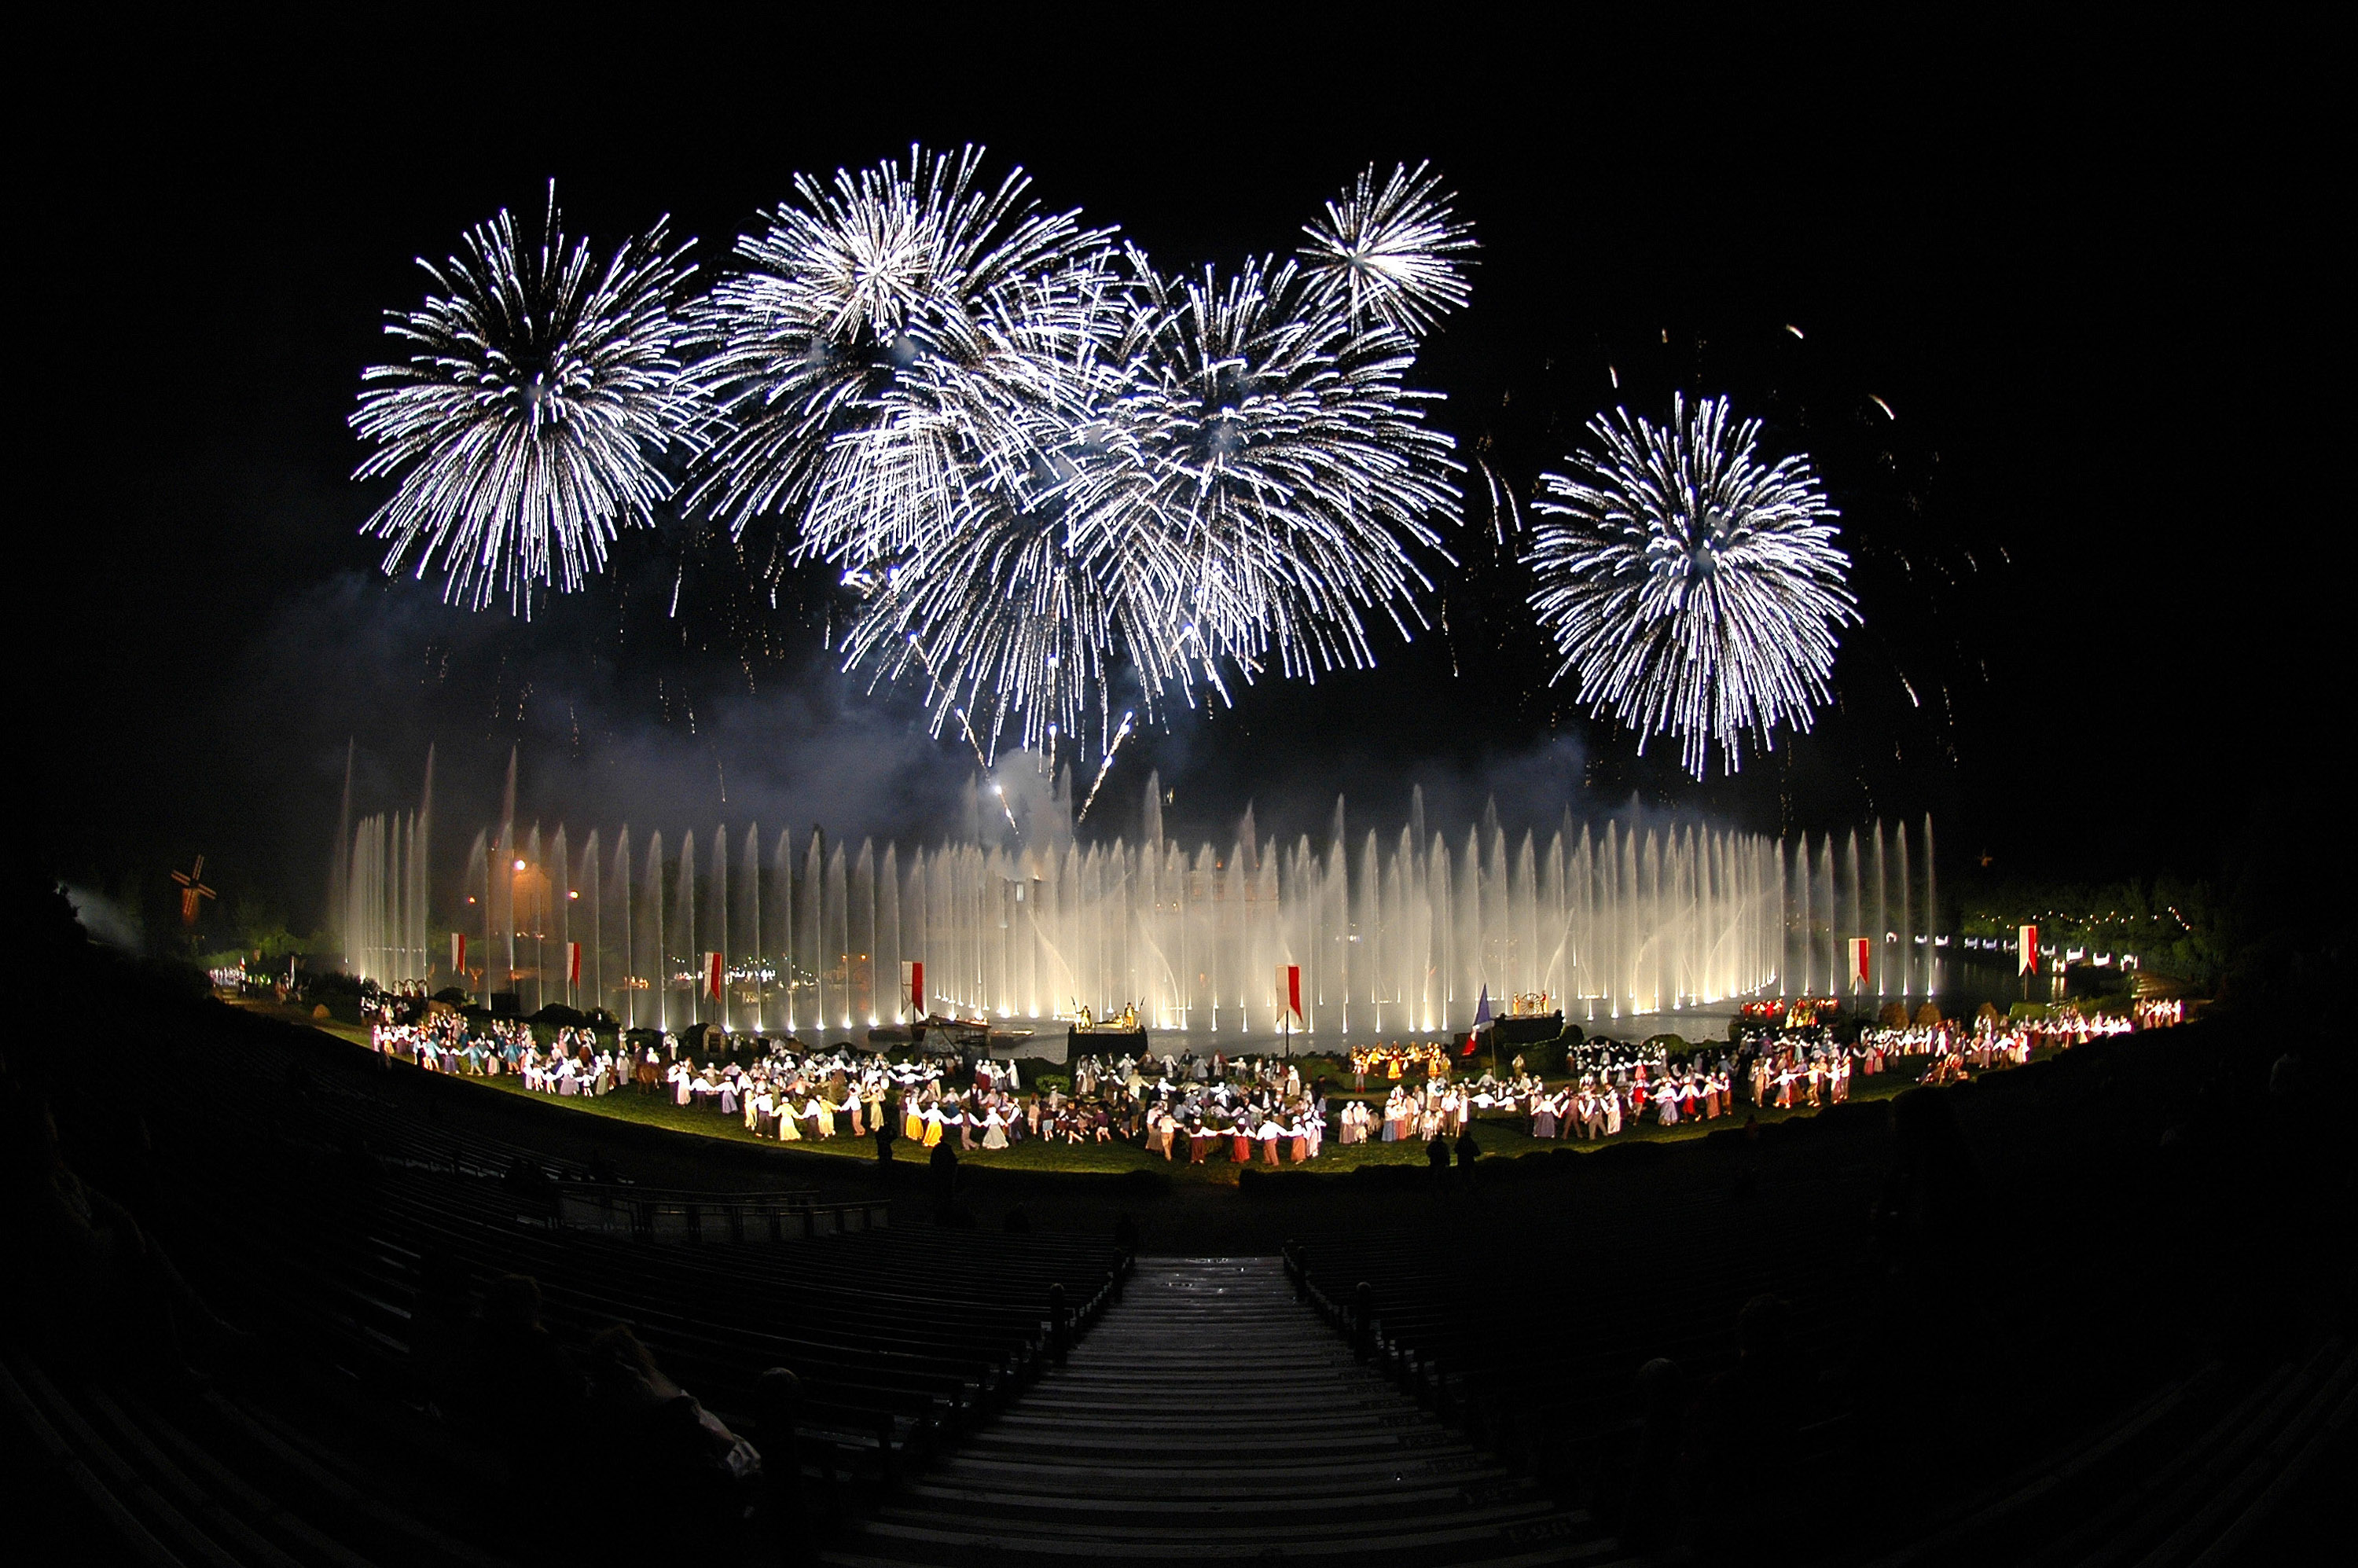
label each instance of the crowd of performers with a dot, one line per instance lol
(1192, 1108)
(385, 1004)
(1615, 1086)
(1392, 1061)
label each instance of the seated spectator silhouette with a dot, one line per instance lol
(942, 1169)
(512, 1384)
(528, 1183)
(692, 1480)
(1437, 1152)
(442, 1324)
(1647, 1517)
(1927, 1218)
(1744, 1415)
(1467, 1149)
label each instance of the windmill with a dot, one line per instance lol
(193, 892)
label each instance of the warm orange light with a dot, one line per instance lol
(519, 865)
(573, 892)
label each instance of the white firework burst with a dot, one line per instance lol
(1395, 253)
(1015, 636)
(1268, 474)
(539, 413)
(1211, 476)
(880, 347)
(1695, 589)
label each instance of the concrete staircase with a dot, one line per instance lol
(1210, 1417)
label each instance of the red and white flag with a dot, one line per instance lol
(912, 987)
(457, 952)
(712, 976)
(573, 963)
(1860, 957)
(2026, 950)
(1288, 992)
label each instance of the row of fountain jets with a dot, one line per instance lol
(1395, 932)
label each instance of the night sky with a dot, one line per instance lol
(2087, 271)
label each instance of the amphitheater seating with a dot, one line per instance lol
(2172, 1433)
(2175, 1477)
(935, 1425)
(659, 1213)
(1490, 1336)
(333, 1251)
(870, 1320)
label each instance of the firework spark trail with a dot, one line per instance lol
(1269, 473)
(533, 416)
(999, 793)
(878, 347)
(1022, 611)
(1695, 589)
(1204, 476)
(1104, 767)
(1391, 255)
(1045, 465)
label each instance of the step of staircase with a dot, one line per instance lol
(1210, 1417)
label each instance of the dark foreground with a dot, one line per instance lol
(2098, 1309)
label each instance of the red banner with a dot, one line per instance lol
(573, 963)
(912, 987)
(2026, 950)
(1288, 990)
(712, 976)
(1861, 957)
(457, 952)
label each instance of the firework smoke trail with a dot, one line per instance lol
(1391, 255)
(999, 793)
(535, 412)
(878, 347)
(1695, 590)
(1104, 767)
